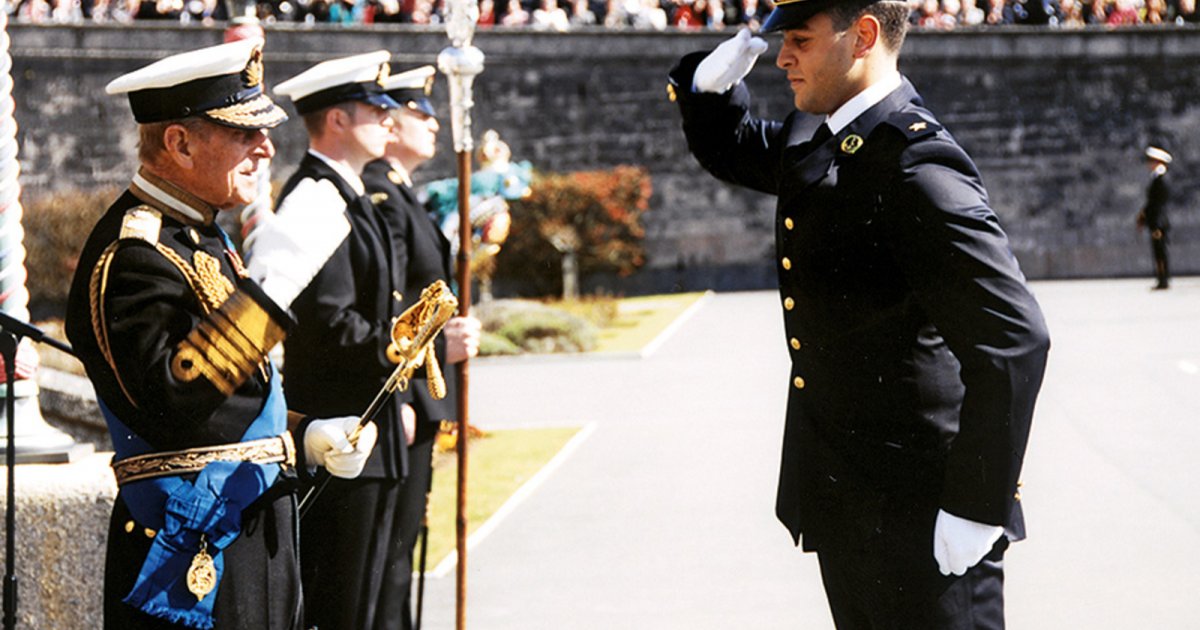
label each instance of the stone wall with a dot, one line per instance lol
(1055, 119)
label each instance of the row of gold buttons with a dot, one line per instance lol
(789, 303)
(130, 526)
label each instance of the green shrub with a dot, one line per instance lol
(535, 327)
(491, 345)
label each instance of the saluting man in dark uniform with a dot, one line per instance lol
(917, 349)
(174, 333)
(1154, 214)
(339, 355)
(422, 254)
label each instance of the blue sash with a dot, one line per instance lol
(182, 511)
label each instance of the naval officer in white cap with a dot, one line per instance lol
(1153, 215)
(423, 256)
(337, 357)
(174, 333)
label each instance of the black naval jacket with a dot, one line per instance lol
(161, 288)
(336, 358)
(1155, 211)
(917, 349)
(422, 254)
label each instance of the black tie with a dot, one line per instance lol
(820, 136)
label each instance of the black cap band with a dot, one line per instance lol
(413, 98)
(794, 13)
(366, 92)
(191, 98)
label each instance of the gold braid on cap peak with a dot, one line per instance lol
(258, 111)
(227, 345)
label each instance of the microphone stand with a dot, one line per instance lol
(11, 332)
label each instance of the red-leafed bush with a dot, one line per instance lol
(596, 214)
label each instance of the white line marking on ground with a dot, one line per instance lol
(1188, 367)
(520, 495)
(662, 337)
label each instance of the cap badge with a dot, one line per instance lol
(429, 85)
(852, 144)
(384, 70)
(917, 126)
(253, 74)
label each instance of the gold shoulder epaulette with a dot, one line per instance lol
(142, 223)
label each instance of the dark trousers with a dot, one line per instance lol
(1162, 273)
(901, 589)
(357, 545)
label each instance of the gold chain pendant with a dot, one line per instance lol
(202, 575)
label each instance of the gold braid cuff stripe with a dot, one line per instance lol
(280, 449)
(228, 345)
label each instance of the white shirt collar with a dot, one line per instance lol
(166, 195)
(342, 170)
(864, 100)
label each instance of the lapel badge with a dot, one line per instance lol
(852, 144)
(671, 92)
(917, 126)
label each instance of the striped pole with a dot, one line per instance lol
(35, 441)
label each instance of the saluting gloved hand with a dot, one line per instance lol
(729, 63)
(290, 247)
(959, 544)
(327, 443)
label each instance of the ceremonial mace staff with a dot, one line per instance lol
(460, 62)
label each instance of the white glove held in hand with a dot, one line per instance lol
(326, 444)
(289, 248)
(729, 63)
(959, 544)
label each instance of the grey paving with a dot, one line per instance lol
(663, 519)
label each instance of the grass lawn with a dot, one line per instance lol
(640, 319)
(499, 463)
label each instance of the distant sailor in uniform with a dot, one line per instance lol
(916, 348)
(174, 333)
(339, 355)
(421, 253)
(1154, 214)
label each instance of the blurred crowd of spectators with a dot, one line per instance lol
(562, 15)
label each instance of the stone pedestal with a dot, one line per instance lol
(62, 513)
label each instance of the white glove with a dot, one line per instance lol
(959, 544)
(289, 248)
(729, 63)
(326, 443)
